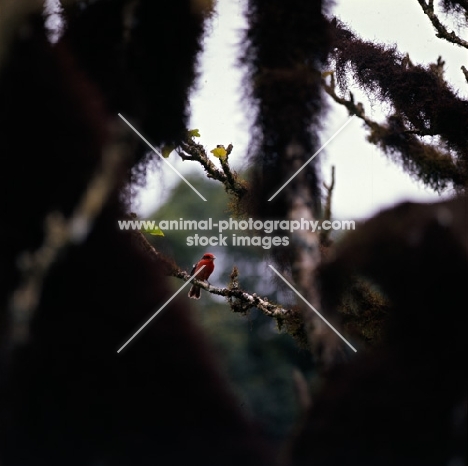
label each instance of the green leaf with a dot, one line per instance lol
(166, 151)
(194, 133)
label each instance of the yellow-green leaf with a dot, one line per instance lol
(155, 231)
(219, 152)
(194, 133)
(166, 150)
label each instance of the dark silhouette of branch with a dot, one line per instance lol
(442, 32)
(465, 73)
(60, 233)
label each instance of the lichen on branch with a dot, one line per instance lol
(239, 300)
(233, 184)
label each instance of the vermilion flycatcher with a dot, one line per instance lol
(208, 261)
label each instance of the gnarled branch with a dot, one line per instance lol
(239, 300)
(190, 150)
(430, 164)
(442, 32)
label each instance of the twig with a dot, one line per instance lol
(353, 109)
(465, 72)
(329, 188)
(442, 32)
(324, 234)
(190, 150)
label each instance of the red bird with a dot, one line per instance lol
(208, 261)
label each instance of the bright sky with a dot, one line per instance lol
(365, 180)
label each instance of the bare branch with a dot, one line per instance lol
(325, 234)
(442, 32)
(329, 188)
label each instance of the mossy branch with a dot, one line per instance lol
(233, 184)
(431, 165)
(239, 300)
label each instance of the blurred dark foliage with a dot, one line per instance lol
(143, 57)
(404, 402)
(53, 129)
(287, 42)
(66, 396)
(435, 168)
(419, 95)
(459, 7)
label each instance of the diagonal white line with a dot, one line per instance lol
(316, 153)
(313, 308)
(160, 155)
(161, 308)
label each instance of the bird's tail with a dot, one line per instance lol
(194, 292)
